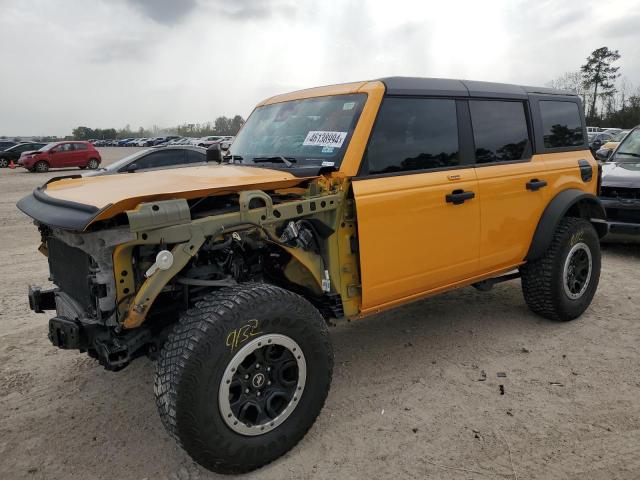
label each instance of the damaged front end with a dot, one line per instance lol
(121, 286)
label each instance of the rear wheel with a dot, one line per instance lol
(244, 376)
(561, 284)
(4, 163)
(92, 164)
(41, 166)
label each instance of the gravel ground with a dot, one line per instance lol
(409, 396)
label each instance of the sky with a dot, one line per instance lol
(109, 63)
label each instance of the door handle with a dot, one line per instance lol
(459, 196)
(534, 184)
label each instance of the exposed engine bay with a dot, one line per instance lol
(120, 289)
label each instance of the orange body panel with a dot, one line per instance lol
(509, 213)
(411, 239)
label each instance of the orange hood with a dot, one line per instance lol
(105, 196)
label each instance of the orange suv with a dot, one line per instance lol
(338, 201)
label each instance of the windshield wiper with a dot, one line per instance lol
(233, 158)
(628, 153)
(280, 159)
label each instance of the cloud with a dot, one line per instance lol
(167, 12)
(106, 63)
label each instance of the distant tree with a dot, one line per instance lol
(599, 73)
(236, 124)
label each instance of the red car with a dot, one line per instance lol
(61, 155)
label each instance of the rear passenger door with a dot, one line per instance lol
(511, 181)
(80, 154)
(418, 218)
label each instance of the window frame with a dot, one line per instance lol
(534, 101)
(465, 138)
(157, 167)
(530, 131)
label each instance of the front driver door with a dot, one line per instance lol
(416, 201)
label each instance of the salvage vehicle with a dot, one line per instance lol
(61, 155)
(338, 201)
(620, 193)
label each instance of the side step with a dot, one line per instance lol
(486, 285)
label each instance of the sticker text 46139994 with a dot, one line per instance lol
(317, 138)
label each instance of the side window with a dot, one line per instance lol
(561, 124)
(195, 157)
(80, 146)
(499, 131)
(163, 158)
(414, 134)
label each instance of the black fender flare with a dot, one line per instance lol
(573, 201)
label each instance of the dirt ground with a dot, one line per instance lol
(409, 396)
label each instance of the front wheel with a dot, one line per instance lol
(41, 167)
(561, 284)
(4, 163)
(244, 376)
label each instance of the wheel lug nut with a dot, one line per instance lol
(246, 390)
(258, 393)
(257, 365)
(269, 382)
(246, 376)
(268, 369)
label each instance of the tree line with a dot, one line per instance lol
(221, 126)
(609, 99)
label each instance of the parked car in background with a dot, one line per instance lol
(620, 190)
(226, 143)
(593, 129)
(61, 155)
(210, 140)
(124, 141)
(154, 159)
(596, 141)
(605, 151)
(4, 144)
(13, 153)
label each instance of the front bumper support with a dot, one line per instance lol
(41, 300)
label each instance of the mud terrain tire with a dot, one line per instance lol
(197, 360)
(560, 285)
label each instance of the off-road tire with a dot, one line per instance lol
(543, 279)
(4, 163)
(41, 167)
(192, 365)
(92, 164)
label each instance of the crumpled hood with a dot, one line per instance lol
(621, 174)
(74, 203)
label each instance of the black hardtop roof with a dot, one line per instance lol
(463, 88)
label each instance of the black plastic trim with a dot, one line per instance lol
(555, 211)
(58, 213)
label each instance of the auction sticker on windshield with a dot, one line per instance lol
(318, 138)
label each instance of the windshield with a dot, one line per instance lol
(121, 163)
(629, 148)
(48, 146)
(307, 132)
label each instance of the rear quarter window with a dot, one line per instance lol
(500, 131)
(561, 124)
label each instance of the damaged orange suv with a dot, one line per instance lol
(338, 201)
